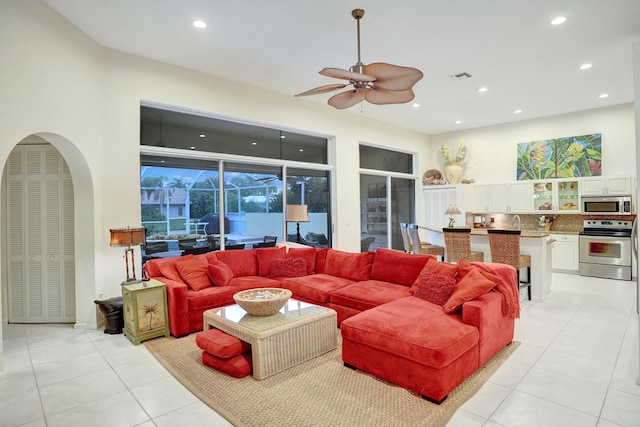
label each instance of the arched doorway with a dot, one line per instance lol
(40, 252)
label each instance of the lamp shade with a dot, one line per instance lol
(127, 236)
(297, 213)
(452, 210)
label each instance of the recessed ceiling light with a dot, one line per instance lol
(416, 105)
(604, 95)
(192, 148)
(202, 135)
(199, 24)
(301, 150)
(482, 89)
(585, 66)
(458, 122)
(254, 143)
(559, 20)
(283, 136)
(517, 111)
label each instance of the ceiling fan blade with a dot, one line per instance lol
(339, 73)
(393, 77)
(382, 96)
(322, 89)
(347, 99)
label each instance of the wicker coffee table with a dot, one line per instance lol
(298, 332)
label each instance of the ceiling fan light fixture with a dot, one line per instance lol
(378, 83)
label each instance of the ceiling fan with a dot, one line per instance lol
(378, 83)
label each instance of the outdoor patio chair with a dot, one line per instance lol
(186, 243)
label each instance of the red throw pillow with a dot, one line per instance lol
(471, 286)
(220, 273)
(170, 271)
(292, 267)
(194, 273)
(436, 267)
(435, 288)
(307, 254)
(266, 255)
(464, 267)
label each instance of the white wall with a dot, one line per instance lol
(492, 150)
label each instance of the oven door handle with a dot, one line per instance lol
(634, 238)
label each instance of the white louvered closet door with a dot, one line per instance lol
(40, 244)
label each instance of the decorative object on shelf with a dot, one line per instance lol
(453, 168)
(433, 177)
(451, 211)
(127, 237)
(468, 181)
(262, 302)
(378, 83)
(569, 157)
(297, 214)
(544, 222)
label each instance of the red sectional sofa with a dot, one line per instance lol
(420, 323)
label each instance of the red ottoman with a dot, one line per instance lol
(412, 343)
(225, 353)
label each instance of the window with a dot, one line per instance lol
(185, 194)
(172, 129)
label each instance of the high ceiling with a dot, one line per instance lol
(509, 47)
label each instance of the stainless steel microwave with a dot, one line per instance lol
(606, 205)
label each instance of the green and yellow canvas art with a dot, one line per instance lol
(568, 157)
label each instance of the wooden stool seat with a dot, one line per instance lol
(458, 245)
(505, 249)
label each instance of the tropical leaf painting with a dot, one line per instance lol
(537, 160)
(579, 156)
(568, 157)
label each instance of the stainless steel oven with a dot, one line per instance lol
(605, 249)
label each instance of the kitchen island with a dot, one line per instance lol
(536, 244)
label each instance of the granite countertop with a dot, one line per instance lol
(483, 232)
(524, 233)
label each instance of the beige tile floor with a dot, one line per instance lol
(576, 366)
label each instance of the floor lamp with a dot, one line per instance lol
(127, 237)
(297, 214)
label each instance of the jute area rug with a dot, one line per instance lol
(319, 392)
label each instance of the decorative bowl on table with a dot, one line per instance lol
(262, 302)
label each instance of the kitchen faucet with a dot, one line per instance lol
(516, 217)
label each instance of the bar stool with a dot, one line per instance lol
(420, 247)
(505, 249)
(458, 244)
(405, 238)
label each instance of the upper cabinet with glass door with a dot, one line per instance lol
(558, 195)
(568, 196)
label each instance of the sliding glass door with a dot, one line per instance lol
(387, 197)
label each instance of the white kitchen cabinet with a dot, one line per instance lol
(565, 255)
(606, 185)
(513, 197)
(478, 199)
(436, 200)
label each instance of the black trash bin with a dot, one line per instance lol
(111, 309)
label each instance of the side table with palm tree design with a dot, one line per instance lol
(145, 310)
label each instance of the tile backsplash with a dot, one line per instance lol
(562, 223)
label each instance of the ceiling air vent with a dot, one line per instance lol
(460, 76)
